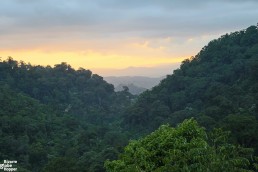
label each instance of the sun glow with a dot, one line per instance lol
(100, 56)
(88, 60)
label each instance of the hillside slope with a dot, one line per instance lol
(58, 118)
(219, 87)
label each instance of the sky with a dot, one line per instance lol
(117, 37)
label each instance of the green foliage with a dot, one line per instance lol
(184, 148)
(49, 116)
(61, 165)
(78, 92)
(218, 87)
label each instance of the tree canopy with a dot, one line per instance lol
(185, 148)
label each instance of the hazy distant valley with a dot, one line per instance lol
(135, 84)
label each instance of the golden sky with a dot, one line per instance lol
(114, 36)
(104, 55)
(106, 59)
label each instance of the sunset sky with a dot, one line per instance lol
(117, 37)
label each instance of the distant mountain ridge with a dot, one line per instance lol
(152, 72)
(138, 81)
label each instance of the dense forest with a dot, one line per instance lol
(55, 116)
(218, 87)
(202, 117)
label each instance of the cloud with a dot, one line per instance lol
(140, 18)
(145, 29)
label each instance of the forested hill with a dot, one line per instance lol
(218, 86)
(61, 87)
(58, 118)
